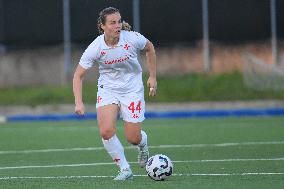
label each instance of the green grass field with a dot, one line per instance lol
(175, 88)
(207, 153)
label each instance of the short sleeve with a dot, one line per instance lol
(140, 41)
(90, 55)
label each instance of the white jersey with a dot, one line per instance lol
(119, 68)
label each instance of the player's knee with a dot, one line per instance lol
(135, 140)
(107, 133)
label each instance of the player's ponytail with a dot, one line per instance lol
(126, 26)
(102, 19)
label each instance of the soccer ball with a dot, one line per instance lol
(159, 167)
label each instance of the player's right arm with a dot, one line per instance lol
(86, 62)
(77, 89)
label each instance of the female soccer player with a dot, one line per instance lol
(120, 86)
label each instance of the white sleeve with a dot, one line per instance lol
(139, 41)
(90, 55)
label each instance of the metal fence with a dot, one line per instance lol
(205, 30)
(31, 23)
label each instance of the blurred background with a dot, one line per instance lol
(207, 51)
(219, 110)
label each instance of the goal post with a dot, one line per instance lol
(262, 76)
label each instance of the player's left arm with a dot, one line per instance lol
(152, 67)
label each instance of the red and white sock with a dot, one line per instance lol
(116, 151)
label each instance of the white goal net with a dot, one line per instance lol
(262, 76)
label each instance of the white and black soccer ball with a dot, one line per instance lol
(159, 167)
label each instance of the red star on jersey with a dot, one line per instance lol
(126, 46)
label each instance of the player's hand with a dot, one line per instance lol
(80, 109)
(152, 84)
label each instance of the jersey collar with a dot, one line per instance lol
(120, 42)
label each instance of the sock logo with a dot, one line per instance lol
(116, 160)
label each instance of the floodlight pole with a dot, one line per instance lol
(67, 39)
(136, 15)
(273, 32)
(206, 48)
(136, 18)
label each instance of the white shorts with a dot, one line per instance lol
(132, 105)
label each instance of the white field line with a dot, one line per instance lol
(111, 163)
(133, 147)
(178, 175)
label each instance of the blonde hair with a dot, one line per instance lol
(126, 26)
(102, 19)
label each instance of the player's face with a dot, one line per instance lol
(113, 25)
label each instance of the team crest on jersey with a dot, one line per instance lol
(126, 46)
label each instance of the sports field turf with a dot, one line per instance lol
(207, 153)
